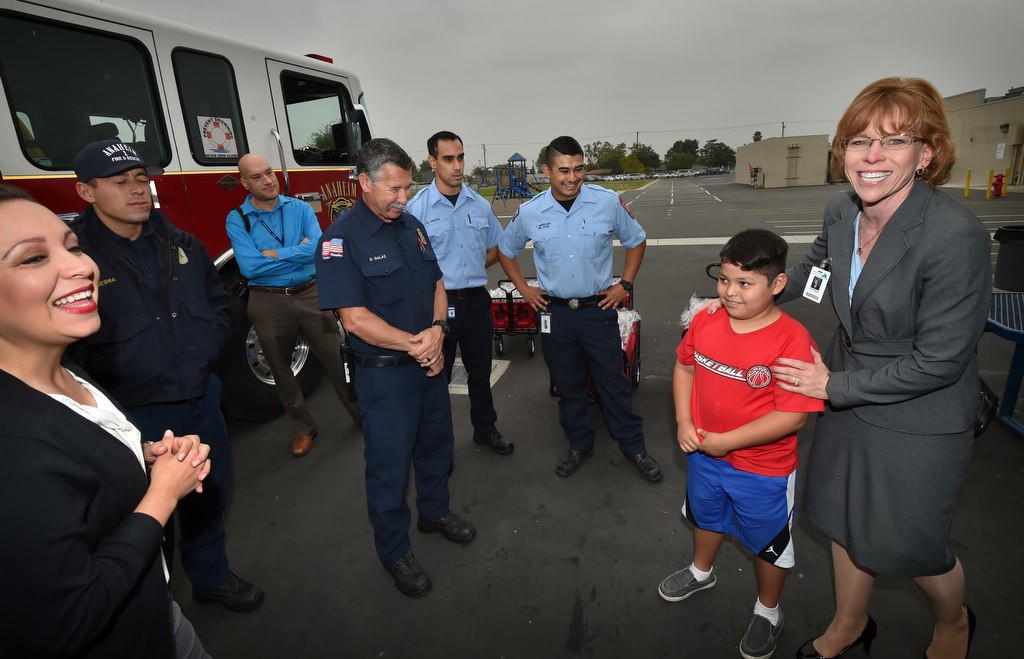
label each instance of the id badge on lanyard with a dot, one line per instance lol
(816, 284)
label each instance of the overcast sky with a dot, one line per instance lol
(513, 75)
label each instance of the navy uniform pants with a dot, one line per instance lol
(583, 340)
(471, 330)
(407, 424)
(200, 516)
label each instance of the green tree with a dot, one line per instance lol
(480, 175)
(602, 155)
(757, 136)
(542, 157)
(682, 146)
(322, 138)
(592, 152)
(631, 165)
(612, 158)
(425, 172)
(679, 161)
(716, 154)
(647, 155)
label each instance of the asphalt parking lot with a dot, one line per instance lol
(570, 567)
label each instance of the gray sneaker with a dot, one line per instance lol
(680, 585)
(761, 637)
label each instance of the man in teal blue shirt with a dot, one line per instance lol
(274, 237)
(464, 233)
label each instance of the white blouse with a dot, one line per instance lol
(111, 419)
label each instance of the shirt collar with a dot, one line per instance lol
(247, 206)
(435, 195)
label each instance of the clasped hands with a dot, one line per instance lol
(697, 439)
(427, 349)
(184, 459)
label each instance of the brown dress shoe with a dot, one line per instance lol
(301, 445)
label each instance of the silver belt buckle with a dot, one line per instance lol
(574, 303)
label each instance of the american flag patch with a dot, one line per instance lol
(333, 247)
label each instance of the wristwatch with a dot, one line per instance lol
(443, 324)
(626, 284)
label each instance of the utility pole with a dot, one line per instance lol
(783, 129)
(485, 162)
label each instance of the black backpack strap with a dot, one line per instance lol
(245, 219)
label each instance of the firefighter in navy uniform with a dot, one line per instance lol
(164, 321)
(377, 271)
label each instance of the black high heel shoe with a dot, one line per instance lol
(972, 622)
(866, 638)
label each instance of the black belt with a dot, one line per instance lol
(381, 361)
(575, 302)
(462, 293)
(286, 290)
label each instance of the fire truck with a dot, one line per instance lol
(78, 71)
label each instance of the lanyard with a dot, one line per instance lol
(271, 231)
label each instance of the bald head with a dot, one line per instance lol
(258, 177)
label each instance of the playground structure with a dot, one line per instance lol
(511, 180)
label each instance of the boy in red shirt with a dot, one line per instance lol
(739, 429)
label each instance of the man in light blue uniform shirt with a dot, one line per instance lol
(465, 233)
(274, 238)
(571, 226)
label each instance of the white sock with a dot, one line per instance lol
(700, 575)
(772, 615)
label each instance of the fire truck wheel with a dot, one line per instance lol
(249, 392)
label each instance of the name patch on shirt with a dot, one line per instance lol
(333, 248)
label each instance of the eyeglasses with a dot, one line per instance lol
(889, 142)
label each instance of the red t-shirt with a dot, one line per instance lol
(733, 383)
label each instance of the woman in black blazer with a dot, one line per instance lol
(911, 286)
(80, 561)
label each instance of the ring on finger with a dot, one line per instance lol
(796, 382)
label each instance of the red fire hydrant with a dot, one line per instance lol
(997, 186)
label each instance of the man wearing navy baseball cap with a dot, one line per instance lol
(107, 158)
(165, 317)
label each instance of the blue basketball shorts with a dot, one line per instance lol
(757, 509)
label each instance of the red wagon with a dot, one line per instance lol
(512, 315)
(629, 334)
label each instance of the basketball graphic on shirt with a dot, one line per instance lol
(759, 377)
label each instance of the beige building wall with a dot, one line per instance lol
(784, 161)
(988, 135)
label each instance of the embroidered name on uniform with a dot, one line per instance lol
(104, 282)
(758, 377)
(335, 247)
(379, 257)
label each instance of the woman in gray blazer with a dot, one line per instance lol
(910, 282)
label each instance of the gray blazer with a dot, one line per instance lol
(904, 354)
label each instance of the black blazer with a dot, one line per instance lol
(81, 572)
(904, 355)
